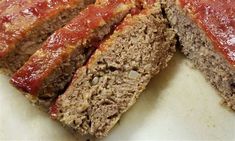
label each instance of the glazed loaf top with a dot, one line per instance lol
(18, 18)
(217, 19)
(60, 44)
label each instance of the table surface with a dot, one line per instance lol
(179, 104)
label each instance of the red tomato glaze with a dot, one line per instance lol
(17, 17)
(58, 46)
(53, 110)
(139, 9)
(217, 19)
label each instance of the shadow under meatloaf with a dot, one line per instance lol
(115, 75)
(201, 49)
(47, 73)
(24, 25)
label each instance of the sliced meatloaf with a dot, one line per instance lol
(115, 75)
(25, 24)
(206, 30)
(47, 73)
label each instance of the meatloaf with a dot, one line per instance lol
(206, 30)
(115, 75)
(47, 73)
(25, 24)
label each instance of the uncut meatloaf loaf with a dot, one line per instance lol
(115, 75)
(25, 24)
(47, 73)
(206, 30)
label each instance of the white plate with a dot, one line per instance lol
(177, 105)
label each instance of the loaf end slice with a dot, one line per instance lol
(201, 47)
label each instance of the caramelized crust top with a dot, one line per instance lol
(19, 17)
(59, 45)
(217, 19)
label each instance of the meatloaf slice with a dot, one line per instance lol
(25, 24)
(206, 31)
(47, 73)
(116, 74)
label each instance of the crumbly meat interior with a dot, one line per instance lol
(58, 81)
(116, 74)
(200, 50)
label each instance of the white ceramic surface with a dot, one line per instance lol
(177, 105)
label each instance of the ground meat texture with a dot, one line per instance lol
(48, 72)
(200, 50)
(33, 30)
(116, 74)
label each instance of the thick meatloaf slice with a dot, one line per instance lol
(116, 74)
(206, 31)
(47, 73)
(25, 24)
